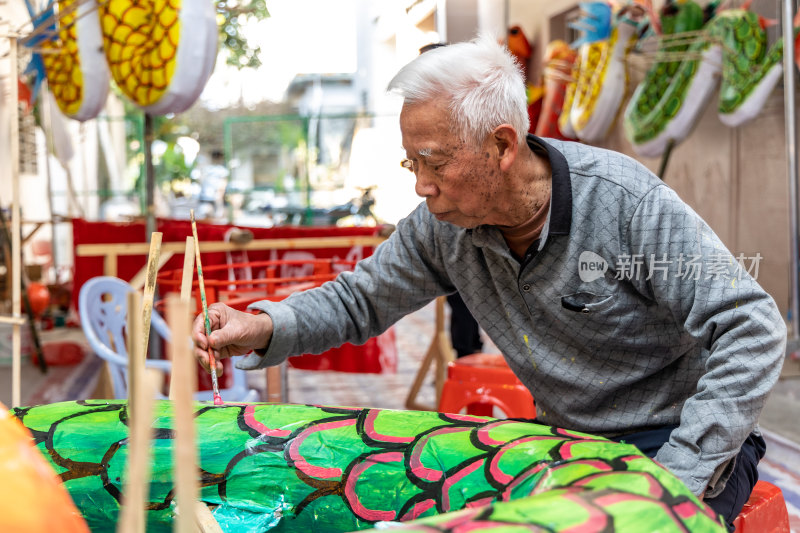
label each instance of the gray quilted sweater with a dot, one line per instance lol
(628, 314)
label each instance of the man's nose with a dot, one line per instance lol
(425, 187)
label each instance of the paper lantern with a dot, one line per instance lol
(594, 98)
(667, 104)
(559, 60)
(32, 498)
(75, 66)
(38, 296)
(160, 53)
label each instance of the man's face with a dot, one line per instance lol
(460, 185)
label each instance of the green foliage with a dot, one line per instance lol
(232, 16)
(171, 166)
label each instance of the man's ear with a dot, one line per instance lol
(504, 142)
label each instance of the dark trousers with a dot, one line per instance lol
(464, 330)
(737, 490)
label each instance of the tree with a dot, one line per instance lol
(232, 16)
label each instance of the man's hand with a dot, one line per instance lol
(232, 333)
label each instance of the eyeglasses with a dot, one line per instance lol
(414, 166)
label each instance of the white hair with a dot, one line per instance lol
(481, 80)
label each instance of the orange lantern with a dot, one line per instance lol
(39, 297)
(32, 498)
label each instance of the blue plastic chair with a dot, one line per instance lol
(103, 308)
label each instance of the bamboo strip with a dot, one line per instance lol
(132, 516)
(188, 270)
(182, 391)
(150, 288)
(138, 280)
(116, 249)
(16, 245)
(185, 297)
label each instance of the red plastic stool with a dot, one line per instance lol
(481, 381)
(764, 512)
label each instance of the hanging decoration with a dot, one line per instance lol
(314, 468)
(520, 48)
(32, 498)
(696, 56)
(159, 54)
(559, 59)
(594, 99)
(68, 52)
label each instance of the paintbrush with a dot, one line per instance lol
(211, 360)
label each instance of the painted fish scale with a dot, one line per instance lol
(569, 98)
(749, 69)
(591, 56)
(665, 81)
(602, 86)
(590, 83)
(141, 40)
(270, 467)
(62, 63)
(746, 59)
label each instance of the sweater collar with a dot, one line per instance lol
(560, 218)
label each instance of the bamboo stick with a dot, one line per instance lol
(440, 353)
(110, 265)
(138, 279)
(188, 270)
(132, 340)
(206, 523)
(182, 391)
(274, 384)
(47, 33)
(16, 245)
(185, 297)
(132, 517)
(150, 288)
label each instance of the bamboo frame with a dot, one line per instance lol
(440, 353)
(43, 28)
(112, 252)
(16, 245)
(276, 382)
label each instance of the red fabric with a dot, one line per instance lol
(375, 356)
(85, 232)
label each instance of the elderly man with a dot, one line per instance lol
(609, 297)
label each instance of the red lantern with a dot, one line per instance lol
(39, 297)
